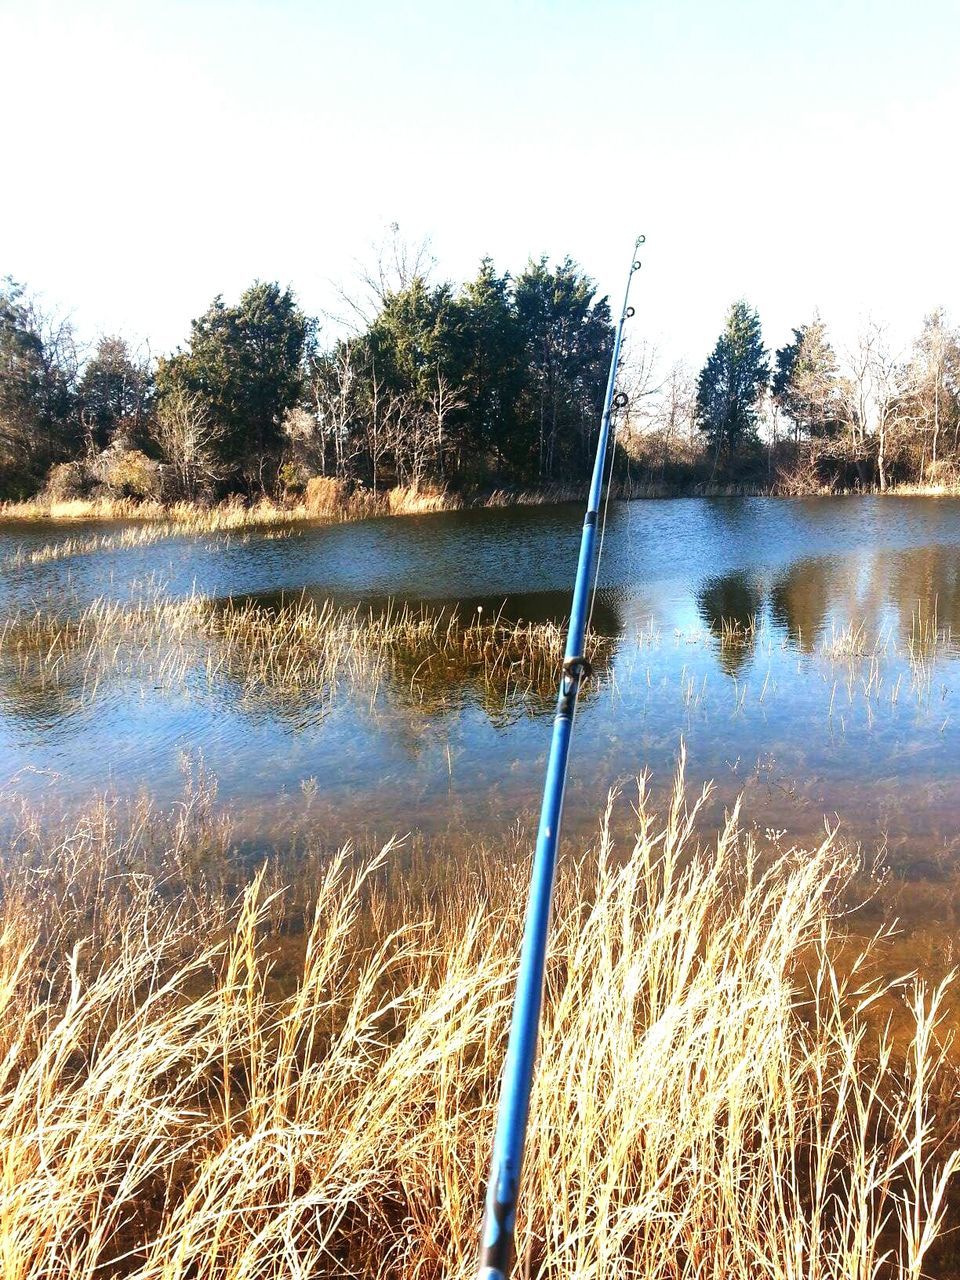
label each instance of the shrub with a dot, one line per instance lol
(66, 481)
(128, 473)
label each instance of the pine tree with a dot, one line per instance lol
(731, 384)
(246, 367)
(806, 385)
(493, 370)
(567, 338)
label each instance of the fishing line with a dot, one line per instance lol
(612, 455)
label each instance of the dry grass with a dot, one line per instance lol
(428, 659)
(325, 502)
(234, 514)
(190, 1087)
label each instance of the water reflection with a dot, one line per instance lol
(716, 617)
(730, 607)
(802, 599)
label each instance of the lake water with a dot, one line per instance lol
(726, 621)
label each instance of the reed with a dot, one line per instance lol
(193, 1087)
(233, 514)
(429, 658)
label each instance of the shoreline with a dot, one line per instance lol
(235, 513)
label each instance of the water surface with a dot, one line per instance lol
(726, 621)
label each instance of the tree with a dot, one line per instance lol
(731, 384)
(935, 378)
(247, 364)
(661, 422)
(568, 339)
(493, 364)
(878, 397)
(806, 384)
(189, 440)
(335, 385)
(114, 394)
(38, 377)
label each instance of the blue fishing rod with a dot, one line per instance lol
(499, 1223)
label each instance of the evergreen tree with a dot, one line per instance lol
(731, 384)
(568, 338)
(806, 384)
(415, 336)
(114, 394)
(38, 374)
(246, 366)
(493, 370)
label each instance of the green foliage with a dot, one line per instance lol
(415, 337)
(38, 370)
(493, 370)
(115, 393)
(732, 382)
(247, 367)
(567, 338)
(806, 384)
(499, 379)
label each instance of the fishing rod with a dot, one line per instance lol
(503, 1185)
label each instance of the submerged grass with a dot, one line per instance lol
(298, 648)
(193, 1084)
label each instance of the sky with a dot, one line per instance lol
(800, 155)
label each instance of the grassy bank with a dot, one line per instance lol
(327, 503)
(291, 1071)
(234, 515)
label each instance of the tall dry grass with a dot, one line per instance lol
(299, 648)
(193, 1084)
(329, 503)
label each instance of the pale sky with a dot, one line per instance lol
(802, 155)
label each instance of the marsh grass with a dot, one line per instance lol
(233, 514)
(299, 649)
(306, 654)
(207, 1073)
(329, 503)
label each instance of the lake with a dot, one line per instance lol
(801, 650)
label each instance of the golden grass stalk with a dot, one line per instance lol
(234, 515)
(301, 647)
(190, 1090)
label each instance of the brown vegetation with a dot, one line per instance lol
(209, 1074)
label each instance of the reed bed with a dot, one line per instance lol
(301, 648)
(66, 548)
(206, 1074)
(307, 654)
(329, 500)
(235, 515)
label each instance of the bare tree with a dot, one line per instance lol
(445, 400)
(876, 396)
(935, 376)
(188, 439)
(396, 263)
(335, 386)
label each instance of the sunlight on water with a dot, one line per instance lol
(802, 650)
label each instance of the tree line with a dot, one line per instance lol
(497, 382)
(806, 419)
